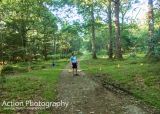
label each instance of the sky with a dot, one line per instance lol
(138, 13)
(69, 14)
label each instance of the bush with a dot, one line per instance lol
(7, 70)
(11, 70)
(2, 79)
(133, 62)
(156, 43)
(35, 67)
(20, 70)
(132, 54)
(80, 53)
(102, 52)
(43, 67)
(55, 56)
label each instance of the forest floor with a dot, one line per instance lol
(86, 93)
(37, 85)
(86, 96)
(135, 75)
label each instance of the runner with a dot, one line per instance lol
(74, 62)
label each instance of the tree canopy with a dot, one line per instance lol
(31, 28)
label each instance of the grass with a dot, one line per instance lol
(134, 74)
(36, 85)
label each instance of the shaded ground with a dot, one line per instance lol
(85, 96)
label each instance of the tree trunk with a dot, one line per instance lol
(122, 26)
(118, 52)
(54, 43)
(23, 30)
(150, 29)
(93, 33)
(45, 52)
(110, 52)
(23, 34)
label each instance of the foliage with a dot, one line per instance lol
(7, 70)
(27, 32)
(157, 44)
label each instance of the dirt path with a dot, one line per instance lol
(85, 96)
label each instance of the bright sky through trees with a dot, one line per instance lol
(69, 14)
(137, 13)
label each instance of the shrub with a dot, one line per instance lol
(2, 79)
(132, 54)
(43, 67)
(55, 56)
(102, 52)
(7, 70)
(10, 70)
(35, 67)
(20, 70)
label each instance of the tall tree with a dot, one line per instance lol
(150, 29)
(118, 52)
(93, 32)
(110, 52)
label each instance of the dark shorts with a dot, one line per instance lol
(74, 65)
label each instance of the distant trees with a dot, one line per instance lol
(122, 36)
(87, 10)
(29, 31)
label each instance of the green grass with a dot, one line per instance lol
(36, 85)
(134, 74)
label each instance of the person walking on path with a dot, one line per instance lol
(74, 63)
